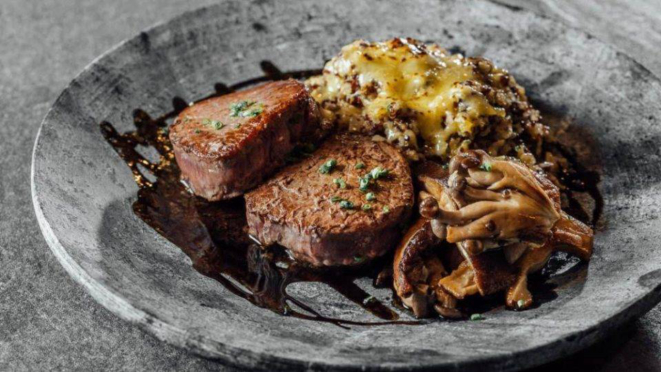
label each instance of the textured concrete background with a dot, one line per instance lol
(47, 322)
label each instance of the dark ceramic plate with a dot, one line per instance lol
(83, 191)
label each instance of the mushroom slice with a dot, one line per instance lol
(573, 236)
(518, 295)
(491, 272)
(514, 251)
(489, 203)
(461, 282)
(503, 200)
(417, 271)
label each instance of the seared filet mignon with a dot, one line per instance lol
(343, 205)
(228, 144)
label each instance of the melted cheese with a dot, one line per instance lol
(407, 89)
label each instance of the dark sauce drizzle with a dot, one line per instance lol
(213, 234)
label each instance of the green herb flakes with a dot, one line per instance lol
(358, 259)
(477, 317)
(197, 131)
(245, 109)
(215, 124)
(367, 207)
(328, 166)
(390, 108)
(237, 108)
(345, 204)
(378, 172)
(386, 209)
(360, 165)
(370, 196)
(364, 183)
(252, 112)
(520, 303)
(486, 167)
(340, 183)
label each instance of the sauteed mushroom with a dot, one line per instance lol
(498, 202)
(417, 272)
(505, 219)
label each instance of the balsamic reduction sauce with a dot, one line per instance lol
(214, 234)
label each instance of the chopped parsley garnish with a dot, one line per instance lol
(370, 196)
(358, 259)
(386, 209)
(389, 108)
(520, 303)
(197, 131)
(340, 183)
(237, 126)
(328, 166)
(367, 207)
(374, 174)
(378, 172)
(252, 112)
(476, 317)
(245, 109)
(238, 107)
(486, 167)
(216, 124)
(345, 204)
(360, 165)
(364, 183)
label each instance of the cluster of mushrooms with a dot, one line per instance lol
(486, 223)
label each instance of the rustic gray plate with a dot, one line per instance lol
(83, 192)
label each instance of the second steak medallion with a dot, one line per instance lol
(343, 205)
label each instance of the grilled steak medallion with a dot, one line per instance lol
(229, 144)
(341, 206)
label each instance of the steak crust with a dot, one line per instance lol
(303, 209)
(223, 151)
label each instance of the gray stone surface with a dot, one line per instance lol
(47, 322)
(632, 26)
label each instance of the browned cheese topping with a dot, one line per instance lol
(425, 100)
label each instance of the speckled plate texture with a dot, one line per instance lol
(83, 191)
